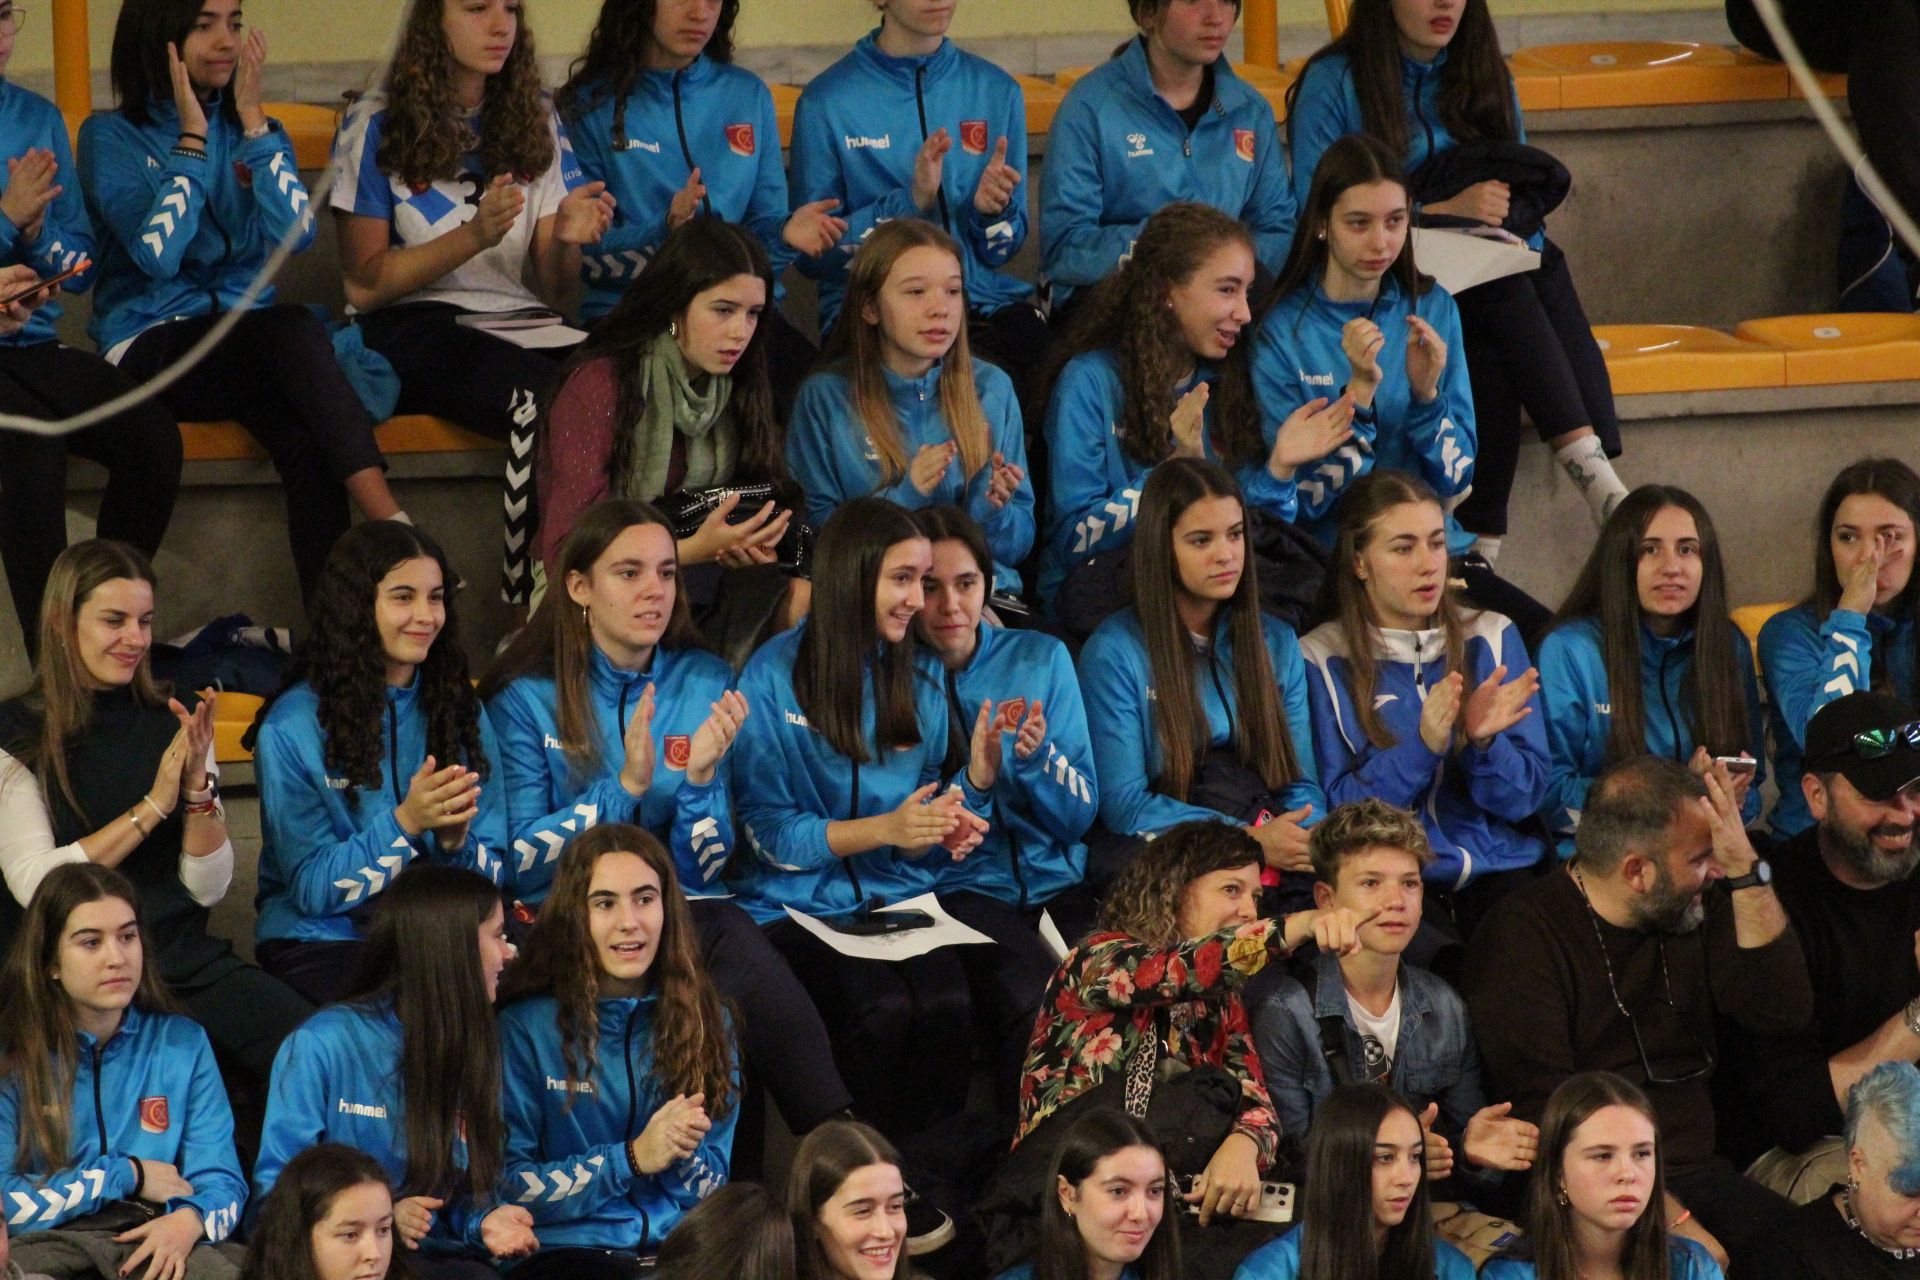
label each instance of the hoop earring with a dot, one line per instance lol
(673, 330)
(1560, 1197)
(586, 619)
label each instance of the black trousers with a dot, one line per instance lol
(1006, 982)
(1488, 590)
(140, 448)
(568, 1263)
(791, 356)
(322, 972)
(1529, 346)
(782, 1039)
(276, 374)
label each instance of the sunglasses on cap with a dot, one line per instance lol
(1874, 744)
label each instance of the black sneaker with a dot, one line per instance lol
(928, 1228)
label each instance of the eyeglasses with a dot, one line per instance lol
(1633, 1024)
(1875, 743)
(12, 21)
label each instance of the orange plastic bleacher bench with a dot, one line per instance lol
(1042, 98)
(409, 433)
(1751, 617)
(1652, 73)
(311, 127)
(1847, 347)
(1646, 359)
(785, 96)
(233, 713)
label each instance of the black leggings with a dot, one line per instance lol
(276, 374)
(483, 383)
(1529, 347)
(139, 447)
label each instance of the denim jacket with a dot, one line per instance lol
(1434, 1061)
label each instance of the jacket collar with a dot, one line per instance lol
(1139, 76)
(403, 697)
(1414, 648)
(935, 64)
(660, 79)
(908, 391)
(129, 1027)
(612, 681)
(1330, 991)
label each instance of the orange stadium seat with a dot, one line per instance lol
(784, 98)
(409, 433)
(232, 714)
(1043, 98)
(1825, 349)
(1653, 73)
(1643, 359)
(311, 126)
(1751, 617)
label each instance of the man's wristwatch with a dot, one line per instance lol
(1761, 874)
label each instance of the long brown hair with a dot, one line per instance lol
(280, 1243)
(1336, 1210)
(557, 641)
(1713, 693)
(1354, 161)
(1887, 478)
(37, 1032)
(1476, 89)
(423, 958)
(426, 135)
(855, 345)
(60, 694)
(1260, 734)
(826, 1157)
(1643, 1254)
(691, 1050)
(1344, 596)
(1129, 314)
(841, 641)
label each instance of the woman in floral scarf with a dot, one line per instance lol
(1155, 991)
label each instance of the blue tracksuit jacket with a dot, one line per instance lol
(711, 116)
(833, 459)
(1808, 663)
(151, 1092)
(857, 128)
(1573, 685)
(565, 1158)
(183, 235)
(1280, 1260)
(800, 784)
(1040, 806)
(548, 802)
(1093, 493)
(337, 1078)
(1297, 358)
(1118, 154)
(1117, 682)
(29, 120)
(1328, 108)
(323, 857)
(1469, 801)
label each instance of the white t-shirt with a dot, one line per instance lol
(1379, 1037)
(494, 280)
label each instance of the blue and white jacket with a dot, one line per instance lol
(1118, 154)
(549, 802)
(566, 1161)
(801, 784)
(323, 857)
(710, 116)
(1093, 494)
(151, 1092)
(856, 130)
(1041, 806)
(1116, 680)
(183, 235)
(1573, 677)
(1807, 664)
(1297, 358)
(338, 1078)
(1468, 800)
(29, 120)
(1327, 109)
(832, 458)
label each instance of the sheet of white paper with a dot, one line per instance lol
(1460, 260)
(1050, 934)
(552, 335)
(945, 931)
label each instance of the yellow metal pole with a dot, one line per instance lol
(1262, 33)
(72, 77)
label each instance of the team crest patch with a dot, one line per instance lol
(1012, 712)
(243, 176)
(154, 1117)
(740, 138)
(1243, 144)
(973, 137)
(679, 751)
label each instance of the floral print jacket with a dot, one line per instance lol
(1107, 996)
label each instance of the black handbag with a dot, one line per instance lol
(687, 509)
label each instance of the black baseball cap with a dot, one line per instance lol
(1831, 747)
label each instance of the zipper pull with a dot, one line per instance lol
(1186, 147)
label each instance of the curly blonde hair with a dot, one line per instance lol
(1144, 900)
(427, 133)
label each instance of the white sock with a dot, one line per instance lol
(1585, 462)
(401, 517)
(1487, 547)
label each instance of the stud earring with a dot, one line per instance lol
(673, 329)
